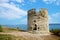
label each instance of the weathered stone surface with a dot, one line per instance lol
(38, 22)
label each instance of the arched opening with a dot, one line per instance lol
(35, 28)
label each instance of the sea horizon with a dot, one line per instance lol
(25, 26)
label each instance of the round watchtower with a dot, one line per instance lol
(38, 22)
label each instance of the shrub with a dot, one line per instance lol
(1, 28)
(7, 37)
(55, 31)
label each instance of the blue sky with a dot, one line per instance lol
(15, 11)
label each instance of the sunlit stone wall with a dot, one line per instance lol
(38, 22)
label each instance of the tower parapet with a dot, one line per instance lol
(31, 12)
(43, 12)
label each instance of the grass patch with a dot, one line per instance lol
(10, 37)
(1, 29)
(6, 37)
(9, 29)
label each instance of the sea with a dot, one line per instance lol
(54, 26)
(24, 26)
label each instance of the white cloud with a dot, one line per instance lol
(4, 1)
(54, 18)
(57, 2)
(32, 1)
(56, 15)
(20, 1)
(17, 1)
(11, 3)
(11, 12)
(49, 1)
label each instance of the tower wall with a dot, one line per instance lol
(38, 22)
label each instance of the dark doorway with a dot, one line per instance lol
(35, 28)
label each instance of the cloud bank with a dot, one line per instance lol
(57, 2)
(10, 11)
(54, 18)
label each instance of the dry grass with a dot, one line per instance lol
(25, 36)
(9, 29)
(7, 37)
(14, 34)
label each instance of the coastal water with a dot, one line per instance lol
(54, 26)
(24, 27)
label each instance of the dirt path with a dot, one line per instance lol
(16, 33)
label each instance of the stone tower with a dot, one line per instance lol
(38, 22)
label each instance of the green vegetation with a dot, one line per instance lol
(55, 31)
(7, 30)
(1, 30)
(6, 37)
(10, 37)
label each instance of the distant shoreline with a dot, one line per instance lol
(24, 26)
